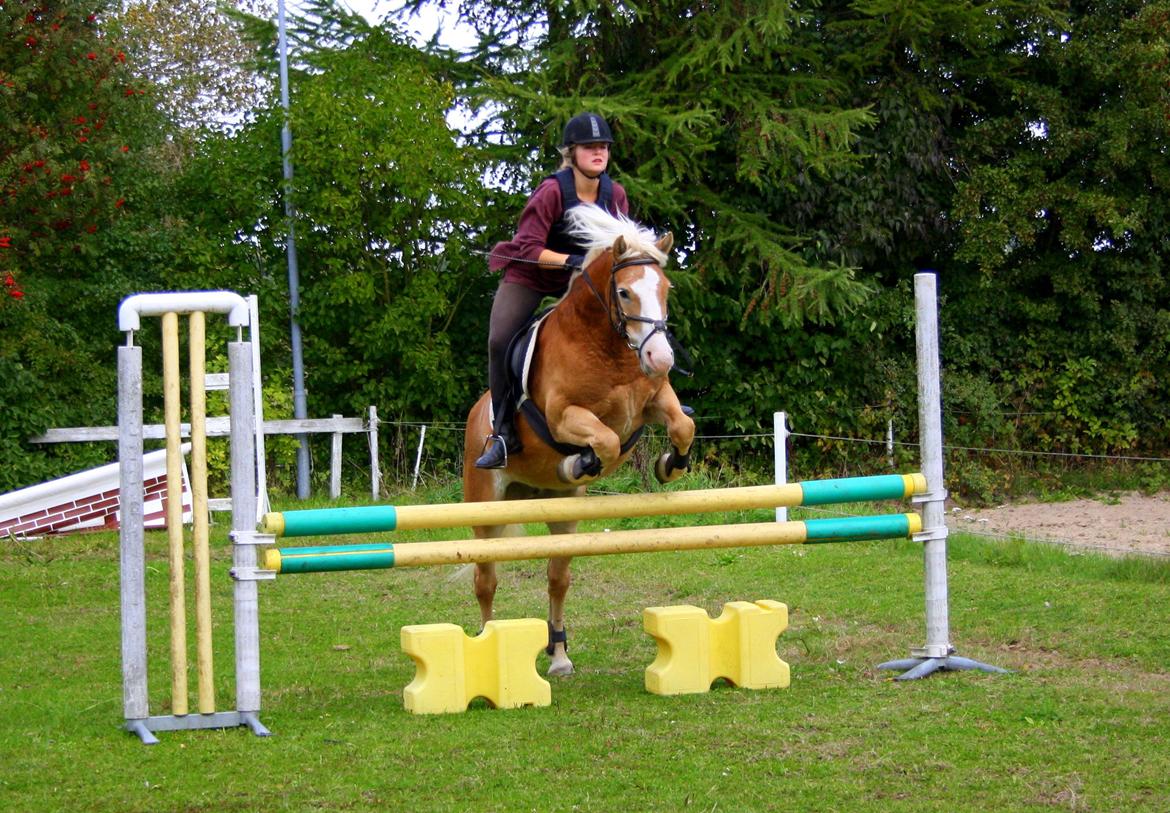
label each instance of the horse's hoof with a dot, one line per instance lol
(666, 469)
(560, 667)
(571, 471)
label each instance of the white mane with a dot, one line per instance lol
(598, 230)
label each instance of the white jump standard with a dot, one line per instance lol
(244, 509)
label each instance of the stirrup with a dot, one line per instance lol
(490, 458)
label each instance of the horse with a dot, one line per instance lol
(599, 373)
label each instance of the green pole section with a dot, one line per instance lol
(856, 489)
(847, 529)
(325, 521)
(330, 558)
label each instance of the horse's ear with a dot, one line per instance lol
(665, 243)
(619, 246)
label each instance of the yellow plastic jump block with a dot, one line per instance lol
(695, 650)
(452, 668)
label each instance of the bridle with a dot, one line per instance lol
(619, 320)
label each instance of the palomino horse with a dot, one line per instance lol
(599, 373)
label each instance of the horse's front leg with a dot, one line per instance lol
(666, 409)
(580, 427)
(485, 573)
(485, 590)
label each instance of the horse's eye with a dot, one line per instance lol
(623, 293)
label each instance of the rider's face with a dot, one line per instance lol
(592, 158)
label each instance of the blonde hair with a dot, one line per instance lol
(566, 155)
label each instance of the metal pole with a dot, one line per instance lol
(937, 653)
(245, 599)
(300, 408)
(938, 643)
(131, 537)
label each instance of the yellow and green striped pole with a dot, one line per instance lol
(647, 540)
(379, 518)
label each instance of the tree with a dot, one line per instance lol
(1062, 217)
(200, 56)
(72, 124)
(387, 204)
(722, 115)
(385, 198)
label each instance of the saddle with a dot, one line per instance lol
(521, 351)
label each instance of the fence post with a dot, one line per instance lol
(780, 432)
(335, 464)
(422, 436)
(375, 467)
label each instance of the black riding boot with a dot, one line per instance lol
(503, 442)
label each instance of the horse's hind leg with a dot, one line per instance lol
(558, 587)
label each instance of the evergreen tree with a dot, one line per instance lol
(1062, 217)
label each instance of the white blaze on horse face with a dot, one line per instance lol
(656, 356)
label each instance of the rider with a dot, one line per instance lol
(541, 258)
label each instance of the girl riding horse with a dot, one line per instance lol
(597, 374)
(538, 261)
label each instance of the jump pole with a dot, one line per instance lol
(938, 653)
(372, 519)
(646, 540)
(131, 534)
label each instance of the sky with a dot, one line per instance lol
(423, 26)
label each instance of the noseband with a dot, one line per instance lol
(619, 320)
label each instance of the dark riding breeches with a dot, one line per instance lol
(511, 307)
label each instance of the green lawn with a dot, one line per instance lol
(1080, 724)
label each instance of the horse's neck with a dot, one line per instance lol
(585, 308)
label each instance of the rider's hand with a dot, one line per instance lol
(575, 262)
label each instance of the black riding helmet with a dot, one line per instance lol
(586, 128)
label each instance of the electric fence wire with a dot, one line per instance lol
(1063, 543)
(453, 426)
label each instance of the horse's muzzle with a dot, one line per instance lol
(655, 355)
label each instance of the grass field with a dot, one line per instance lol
(1080, 724)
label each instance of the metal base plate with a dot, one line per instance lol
(921, 667)
(146, 727)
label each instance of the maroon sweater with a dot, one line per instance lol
(540, 213)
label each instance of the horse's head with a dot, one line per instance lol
(638, 292)
(625, 263)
